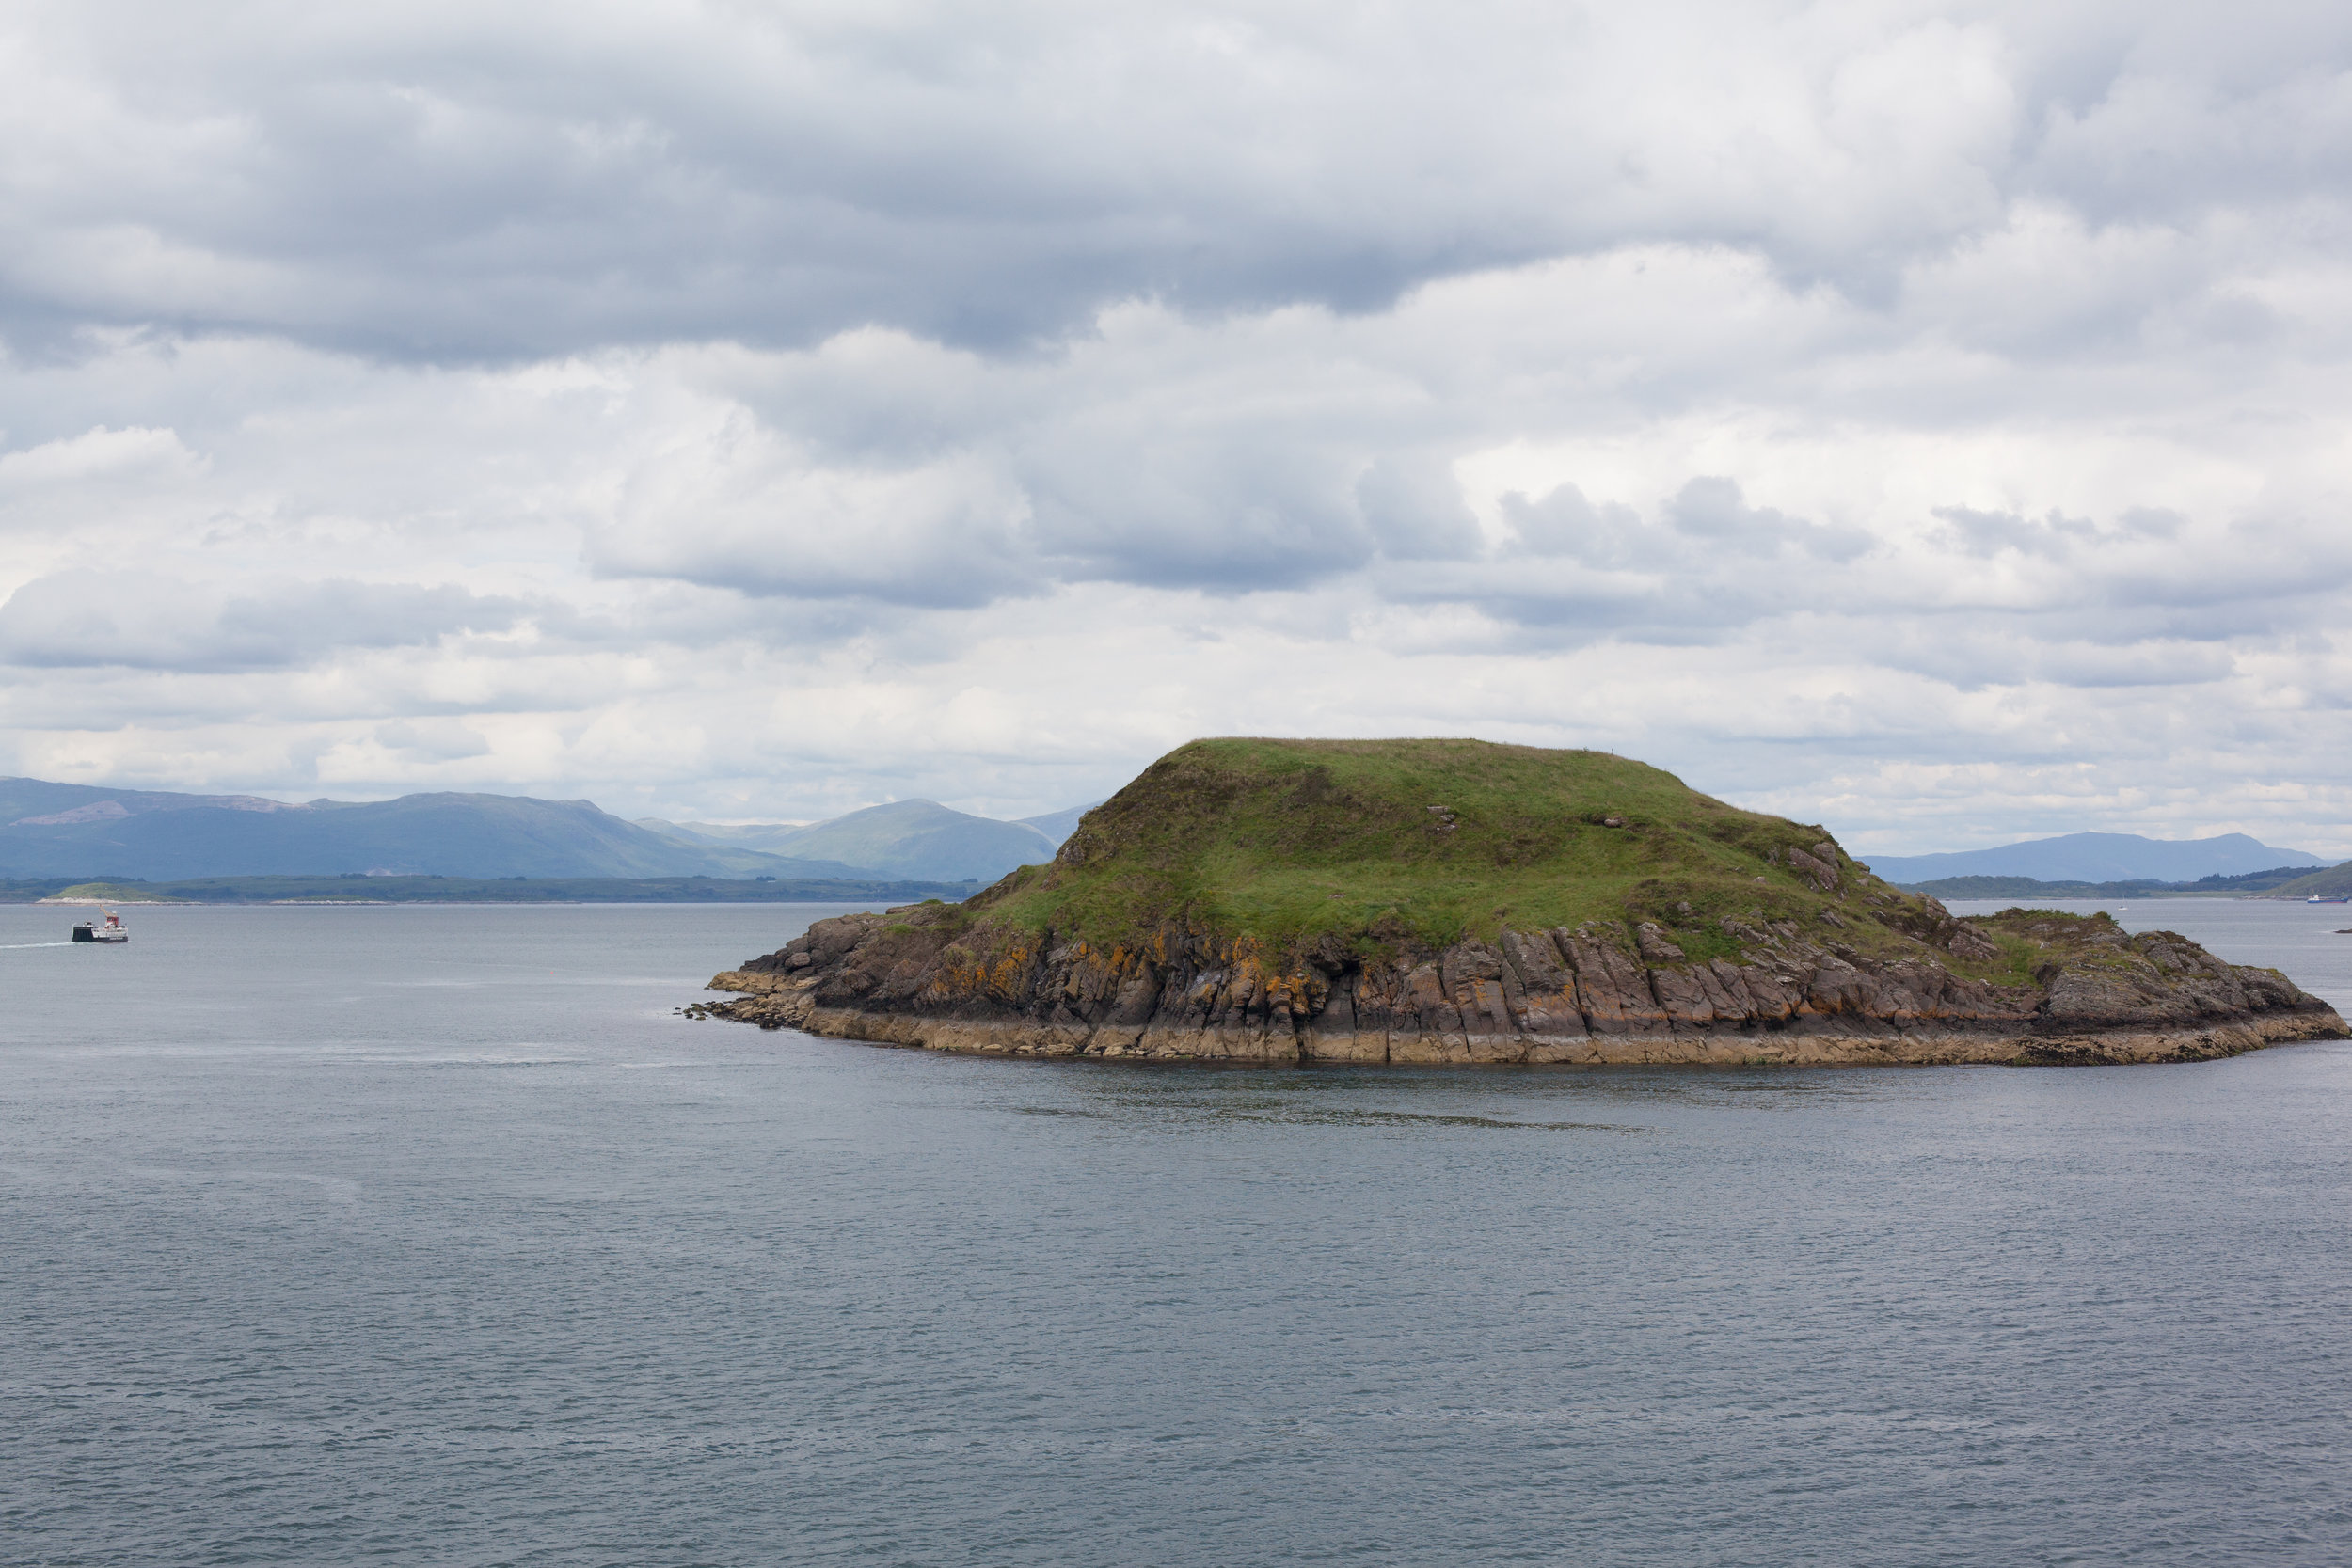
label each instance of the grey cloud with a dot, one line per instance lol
(683, 613)
(431, 739)
(2141, 577)
(2149, 522)
(2053, 536)
(92, 619)
(535, 179)
(1208, 514)
(1413, 507)
(415, 188)
(1564, 523)
(1103, 467)
(2137, 601)
(1558, 605)
(1976, 651)
(973, 530)
(1708, 566)
(1707, 520)
(745, 507)
(1712, 509)
(2168, 108)
(1708, 542)
(1985, 534)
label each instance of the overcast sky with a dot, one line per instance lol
(1929, 421)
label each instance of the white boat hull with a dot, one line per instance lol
(110, 929)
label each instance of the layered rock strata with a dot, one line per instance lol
(1599, 992)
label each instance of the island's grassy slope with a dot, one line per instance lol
(1289, 843)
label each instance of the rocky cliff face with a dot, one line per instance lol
(1600, 993)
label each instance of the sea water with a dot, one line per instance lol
(438, 1236)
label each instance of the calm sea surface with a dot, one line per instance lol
(435, 1236)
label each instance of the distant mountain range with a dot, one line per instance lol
(352, 887)
(88, 831)
(83, 831)
(2098, 858)
(919, 839)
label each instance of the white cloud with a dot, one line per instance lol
(734, 503)
(431, 740)
(1933, 423)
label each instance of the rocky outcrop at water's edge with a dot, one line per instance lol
(2077, 990)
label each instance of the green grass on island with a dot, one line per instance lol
(1372, 842)
(116, 893)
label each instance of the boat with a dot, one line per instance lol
(2315, 898)
(111, 929)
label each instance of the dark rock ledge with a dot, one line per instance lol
(1599, 992)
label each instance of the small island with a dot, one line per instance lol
(1456, 901)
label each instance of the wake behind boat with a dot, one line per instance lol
(109, 929)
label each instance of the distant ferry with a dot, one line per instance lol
(110, 929)
(2315, 898)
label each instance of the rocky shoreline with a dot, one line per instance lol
(1601, 993)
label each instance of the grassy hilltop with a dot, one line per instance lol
(1374, 842)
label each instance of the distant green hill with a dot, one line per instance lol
(2335, 882)
(2027, 887)
(116, 893)
(50, 830)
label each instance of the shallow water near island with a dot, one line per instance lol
(438, 1236)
